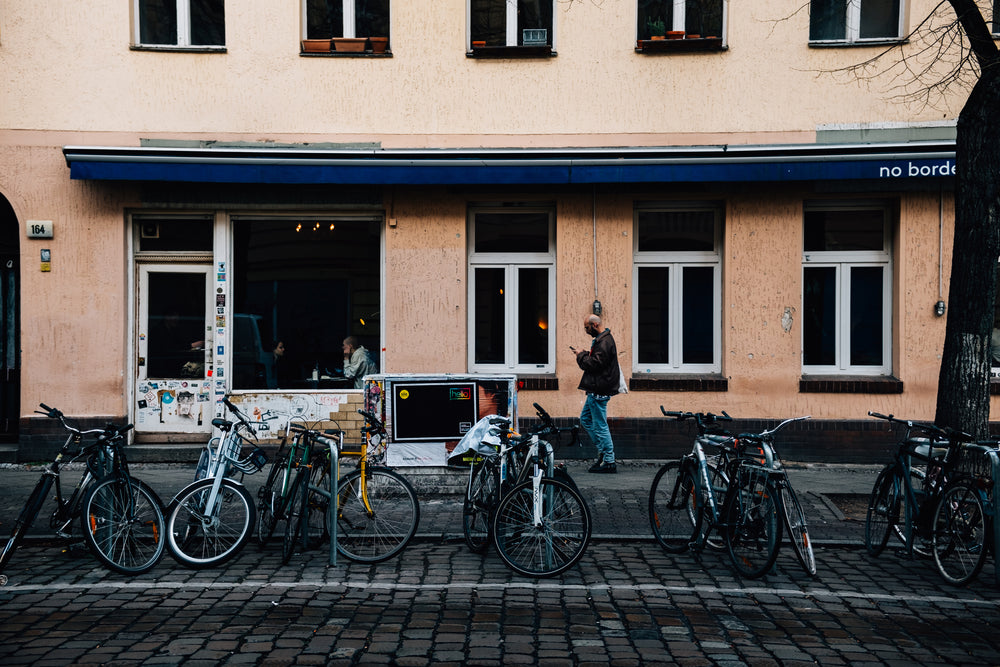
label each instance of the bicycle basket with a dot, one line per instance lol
(252, 463)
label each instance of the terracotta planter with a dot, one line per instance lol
(316, 45)
(478, 44)
(658, 37)
(691, 36)
(379, 44)
(349, 44)
(675, 34)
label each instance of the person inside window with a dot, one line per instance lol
(357, 362)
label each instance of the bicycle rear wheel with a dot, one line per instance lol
(380, 528)
(293, 523)
(199, 541)
(24, 520)
(478, 506)
(960, 533)
(798, 531)
(122, 521)
(883, 511)
(270, 503)
(673, 511)
(752, 527)
(547, 549)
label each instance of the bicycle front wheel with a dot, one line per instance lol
(798, 531)
(753, 530)
(883, 511)
(377, 516)
(197, 539)
(122, 521)
(673, 507)
(478, 507)
(960, 533)
(550, 547)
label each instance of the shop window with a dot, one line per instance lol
(308, 284)
(326, 19)
(846, 295)
(174, 234)
(180, 23)
(690, 19)
(847, 21)
(510, 24)
(512, 290)
(677, 287)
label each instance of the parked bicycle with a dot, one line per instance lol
(520, 501)
(932, 506)
(738, 490)
(211, 519)
(377, 508)
(121, 518)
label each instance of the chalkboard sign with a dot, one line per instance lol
(437, 411)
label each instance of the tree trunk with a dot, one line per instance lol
(963, 399)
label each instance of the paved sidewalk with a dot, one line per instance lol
(618, 502)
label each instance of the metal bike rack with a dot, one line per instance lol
(334, 494)
(994, 459)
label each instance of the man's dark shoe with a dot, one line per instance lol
(604, 467)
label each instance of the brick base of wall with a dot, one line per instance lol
(813, 440)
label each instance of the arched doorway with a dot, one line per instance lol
(10, 349)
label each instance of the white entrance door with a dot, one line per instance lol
(174, 349)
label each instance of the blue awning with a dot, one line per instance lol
(719, 164)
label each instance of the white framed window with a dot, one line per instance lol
(677, 286)
(179, 23)
(325, 19)
(848, 21)
(704, 18)
(847, 290)
(511, 22)
(512, 289)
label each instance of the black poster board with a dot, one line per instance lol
(433, 410)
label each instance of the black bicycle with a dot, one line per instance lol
(516, 498)
(930, 502)
(121, 517)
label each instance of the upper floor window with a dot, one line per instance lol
(325, 19)
(512, 289)
(494, 23)
(855, 20)
(688, 18)
(180, 23)
(846, 296)
(677, 288)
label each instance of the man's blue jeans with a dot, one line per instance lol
(594, 420)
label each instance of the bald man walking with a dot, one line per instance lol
(600, 381)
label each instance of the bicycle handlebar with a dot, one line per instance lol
(945, 433)
(376, 424)
(767, 433)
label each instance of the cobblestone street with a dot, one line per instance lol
(626, 603)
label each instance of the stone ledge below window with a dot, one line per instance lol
(537, 383)
(849, 384)
(708, 382)
(543, 51)
(689, 45)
